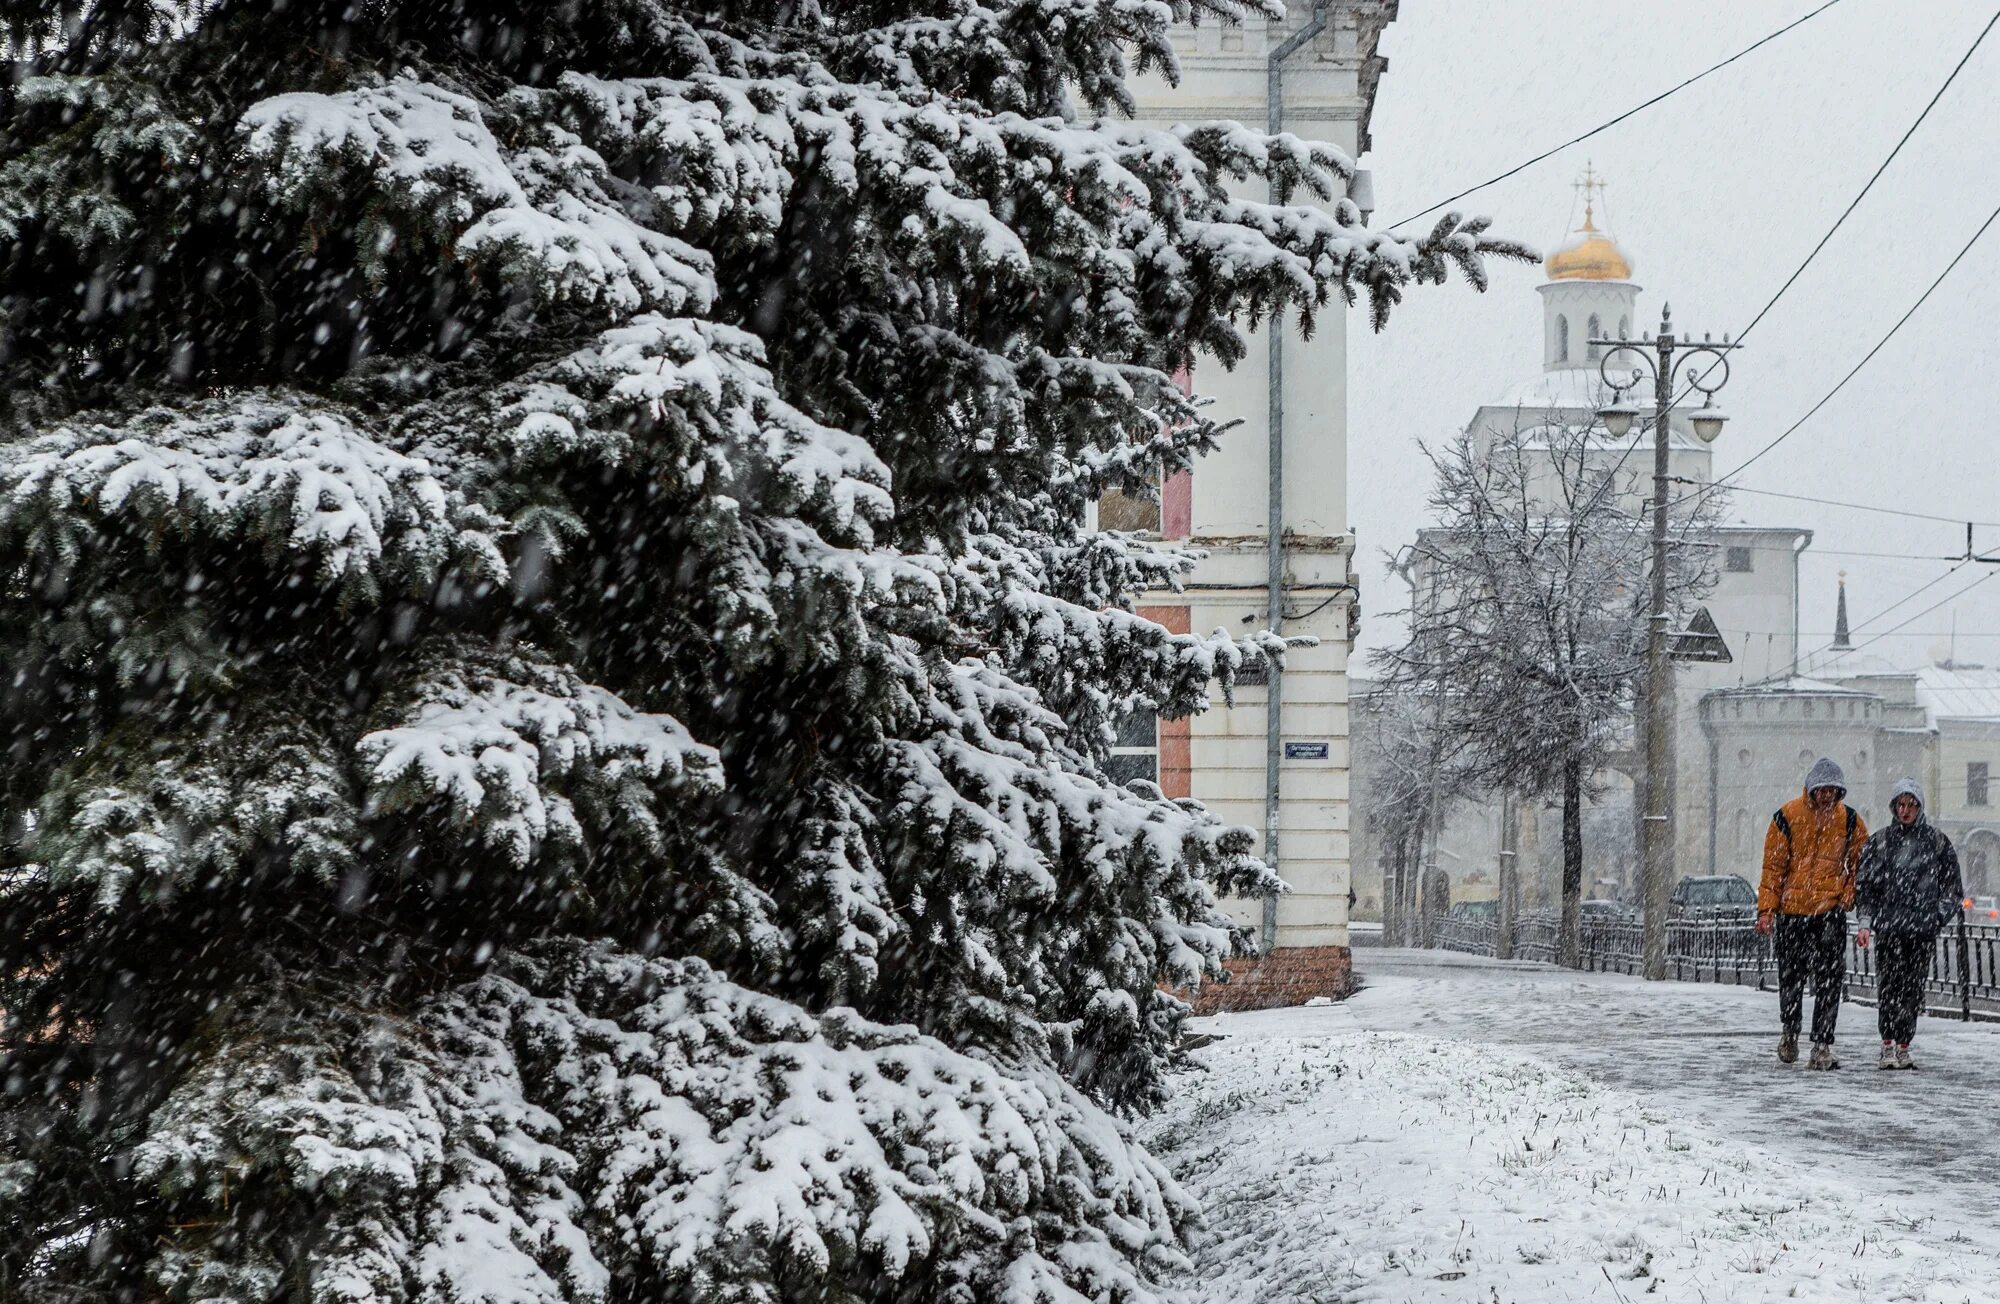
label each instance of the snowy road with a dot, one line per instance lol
(1463, 1130)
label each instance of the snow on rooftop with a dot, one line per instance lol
(1848, 663)
(1794, 684)
(1959, 694)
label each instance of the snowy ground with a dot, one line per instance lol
(1467, 1131)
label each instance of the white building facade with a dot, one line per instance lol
(1224, 508)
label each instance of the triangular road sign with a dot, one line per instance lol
(1700, 641)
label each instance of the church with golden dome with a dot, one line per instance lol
(1589, 293)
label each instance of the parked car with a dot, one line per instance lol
(1981, 909)
(1605, 912)
(1714, 895)
(1479, 912)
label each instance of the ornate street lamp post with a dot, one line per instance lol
(1657, 357)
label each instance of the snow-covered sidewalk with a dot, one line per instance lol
(1475, 1133)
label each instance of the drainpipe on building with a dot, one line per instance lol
(1275, 529)
(1714, 786)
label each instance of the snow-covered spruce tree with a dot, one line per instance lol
(556, 681)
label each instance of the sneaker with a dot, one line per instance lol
(1788, 1047)
(1888, 1060)
(1822, 1056)
(1903, 1058)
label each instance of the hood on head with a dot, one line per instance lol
(1907, 788)
(1826, 773)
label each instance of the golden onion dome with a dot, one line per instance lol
(1589, 256)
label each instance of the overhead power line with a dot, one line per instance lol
(1606, 126)
(1837, 552)
(1921, 588)
(1908, 132)
(1813, 253)
(1721, 481)
(1949, 597)
(1805, 657)
(1830, 502)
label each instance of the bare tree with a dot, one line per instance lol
(1418, 774)
(1527, 624)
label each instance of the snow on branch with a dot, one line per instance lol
(1133, 208)
(583, 1116)
(508, 749)
(284, 470)
(198, 812)
(712, 381)
(1012, 804)
(540, 205)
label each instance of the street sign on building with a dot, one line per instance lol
(1306, 751)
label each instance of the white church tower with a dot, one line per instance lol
(1589, 294)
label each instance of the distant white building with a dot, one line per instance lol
(1223, 507)
(1590, 294)
(1938, 724)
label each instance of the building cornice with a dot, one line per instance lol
(1223, 67)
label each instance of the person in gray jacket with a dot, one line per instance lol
(1907, 889)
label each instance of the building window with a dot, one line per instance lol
(1131, 513)
(1135, 747)
(1562, 338)
(1742, 838)
(1737, 560)
(1743, 757)
(1975, 783)
(1596, 329)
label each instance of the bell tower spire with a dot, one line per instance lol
(1841, 641)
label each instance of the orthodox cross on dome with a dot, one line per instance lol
(1588, 254)
(1590, 181)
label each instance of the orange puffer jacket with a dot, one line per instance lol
(1809, 859)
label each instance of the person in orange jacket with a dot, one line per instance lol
(1810, 855)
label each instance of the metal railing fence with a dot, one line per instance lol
(1725, 947)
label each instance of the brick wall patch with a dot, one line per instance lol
(1289, 975)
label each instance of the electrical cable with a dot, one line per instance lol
(1949, 597)
(1637, 108)
(1723, 481)
(1805, 657)
(1830, 502)
(1838, 222)
(1908, 132)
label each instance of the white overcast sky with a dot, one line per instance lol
(1716, 194)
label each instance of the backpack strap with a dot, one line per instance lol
(1784, 825)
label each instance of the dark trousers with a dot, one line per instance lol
(1902, 962)
(1815, 947)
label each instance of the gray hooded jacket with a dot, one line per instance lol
(1908, 883)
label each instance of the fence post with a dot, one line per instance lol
(1964, 975)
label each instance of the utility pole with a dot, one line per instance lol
(1510, 839)
(1658, 829)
